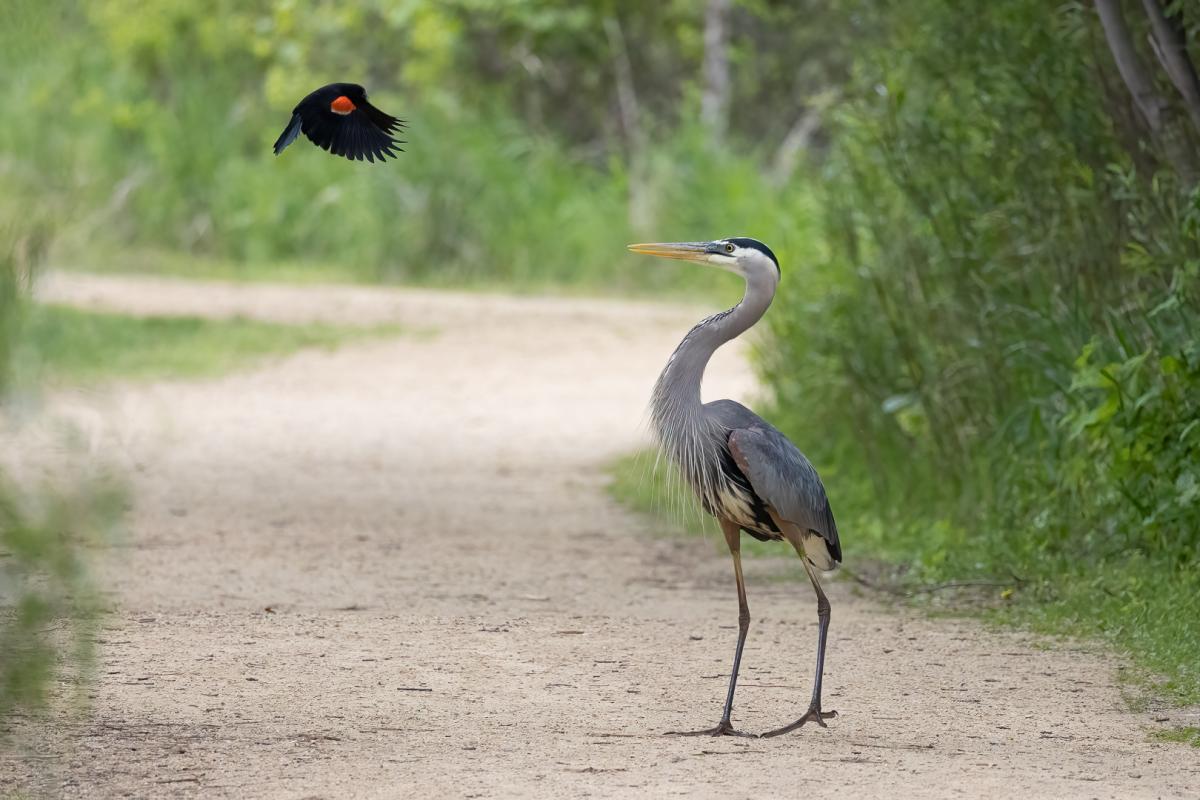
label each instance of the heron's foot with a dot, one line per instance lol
(814, 714)
(724, 728)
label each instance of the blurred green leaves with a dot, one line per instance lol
(53, 506)
(50, 513)
(49, 605)
(518, 172)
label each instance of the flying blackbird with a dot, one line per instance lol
(339, 119)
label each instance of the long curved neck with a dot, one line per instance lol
(676, 398)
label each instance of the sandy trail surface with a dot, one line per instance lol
(393, 570)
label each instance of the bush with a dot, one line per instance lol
(1001, 364)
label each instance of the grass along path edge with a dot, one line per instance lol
(63, 345)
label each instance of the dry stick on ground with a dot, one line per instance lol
(898, 591)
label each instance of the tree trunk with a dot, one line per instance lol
(1138, 78)
(627, 100)
(1133, 70)
(799, 136)
(714, 102)
(796, 142)
(640, 206)
(1171, 49)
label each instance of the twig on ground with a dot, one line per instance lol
(900, 591)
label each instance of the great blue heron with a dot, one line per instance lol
(745, 472)
(339, 119)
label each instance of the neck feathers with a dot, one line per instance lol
(676, 409)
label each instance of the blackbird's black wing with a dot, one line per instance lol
(289, 133)
(385, 122)
(355, 135)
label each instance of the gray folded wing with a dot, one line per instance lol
(786, 480)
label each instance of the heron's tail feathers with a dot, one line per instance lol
(813, 548)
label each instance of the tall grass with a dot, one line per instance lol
(49, 511)
(48, 604)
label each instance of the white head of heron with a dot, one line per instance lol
(740, 255)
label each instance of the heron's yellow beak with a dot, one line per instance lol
(684, 251)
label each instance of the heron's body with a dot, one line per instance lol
(734, 497)
(731, 496)
(743, 470)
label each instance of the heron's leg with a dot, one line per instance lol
(814, 713)
(733, 537)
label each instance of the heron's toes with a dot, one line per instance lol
(814, 714)
(723, 728)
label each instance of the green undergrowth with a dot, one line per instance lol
(50, 607)
(63, 345)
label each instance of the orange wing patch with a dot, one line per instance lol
(341, 105)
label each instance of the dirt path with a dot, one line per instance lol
(456, 606)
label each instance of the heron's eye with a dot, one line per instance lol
(728, 247)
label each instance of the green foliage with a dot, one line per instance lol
(48, 605)
(515, 175)
(999, 374)
(1135, 422)
(62, 344)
